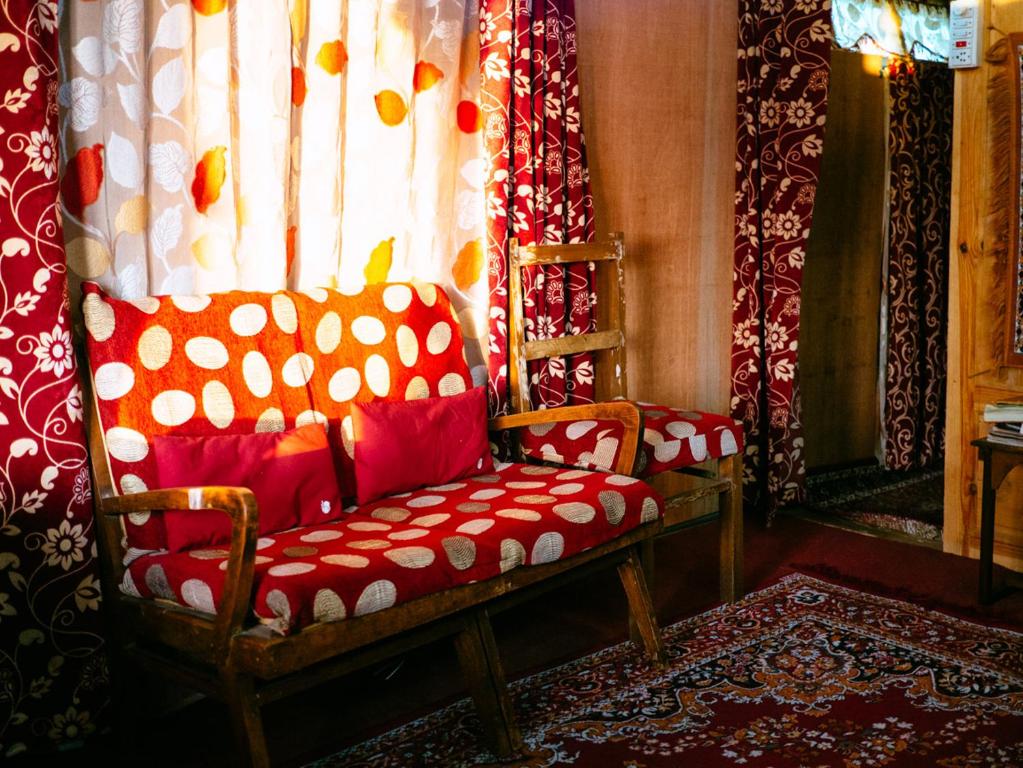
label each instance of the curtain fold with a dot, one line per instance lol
(916, 284)
(784, 67)
(213, 146)
(537, 187)
(53, 673)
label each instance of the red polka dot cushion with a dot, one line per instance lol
(403, 547)
(672, 438)
(244, 362)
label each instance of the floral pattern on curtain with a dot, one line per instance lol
(925, 27)
(916, 284)
(53, 673)
(537, 187)
(213, 146)
(784, 67)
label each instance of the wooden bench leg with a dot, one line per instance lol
(641, 608)
(481, 665)
(731, 531)
(646, 557)
(246, 721)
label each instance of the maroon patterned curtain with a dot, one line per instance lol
(537, 186)
(919, 199)
(784, 65)
(52, 672)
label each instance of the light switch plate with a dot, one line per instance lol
(966, 33)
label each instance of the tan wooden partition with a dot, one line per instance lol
(659, 117)
(977, 305)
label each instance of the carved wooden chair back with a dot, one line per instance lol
(607, 342)
(723, 478)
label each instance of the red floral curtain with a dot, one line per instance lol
(784, 66)
(537, 186)
(52, 672)
(920, 185)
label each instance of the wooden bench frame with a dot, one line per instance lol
(723, 479)
(245, 665)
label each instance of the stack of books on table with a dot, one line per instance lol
(1006, 419)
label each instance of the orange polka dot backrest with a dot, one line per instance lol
(397, 341)
(243, 362)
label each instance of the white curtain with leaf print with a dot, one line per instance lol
(212, 145)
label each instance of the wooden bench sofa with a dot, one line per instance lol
(271, 614)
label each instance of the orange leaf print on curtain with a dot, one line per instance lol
(425, 76)
(332, 57)
(209, 178)
(470, 118)
(380, 262)
(82, 179)
(209, 7)
(468, 265)
(391, 107)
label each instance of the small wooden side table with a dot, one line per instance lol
(999, 460)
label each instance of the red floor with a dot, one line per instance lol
(568, 623)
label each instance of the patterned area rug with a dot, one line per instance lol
(909, 502)
(802, 673)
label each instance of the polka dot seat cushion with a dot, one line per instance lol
(672, 438)
(243, 362)
(403, 547)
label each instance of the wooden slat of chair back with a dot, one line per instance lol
(608, 341)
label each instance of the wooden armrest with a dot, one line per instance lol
(623, 411)
(240, 505)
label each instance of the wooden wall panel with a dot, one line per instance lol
(658, 80)
(840, 310)
(977, 290)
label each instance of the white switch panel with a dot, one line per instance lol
(964, 16)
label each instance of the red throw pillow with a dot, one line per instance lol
(404, 445)
(290, 473)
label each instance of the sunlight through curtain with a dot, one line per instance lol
(281, 144)
(920, 30)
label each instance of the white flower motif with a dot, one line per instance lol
(42, 152)
(64, 545)
(470, 213)
(496, 68)
(784, 370)
(54, 351)
(487, 26)
(545, 328)
(572, 120)
(787, 225)
(745, 334)
(82, 489)
(801, 113)
(770, 113)
(25, 302)
(583, 372)
(777, 337)
(47, 12)
(555, 292)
